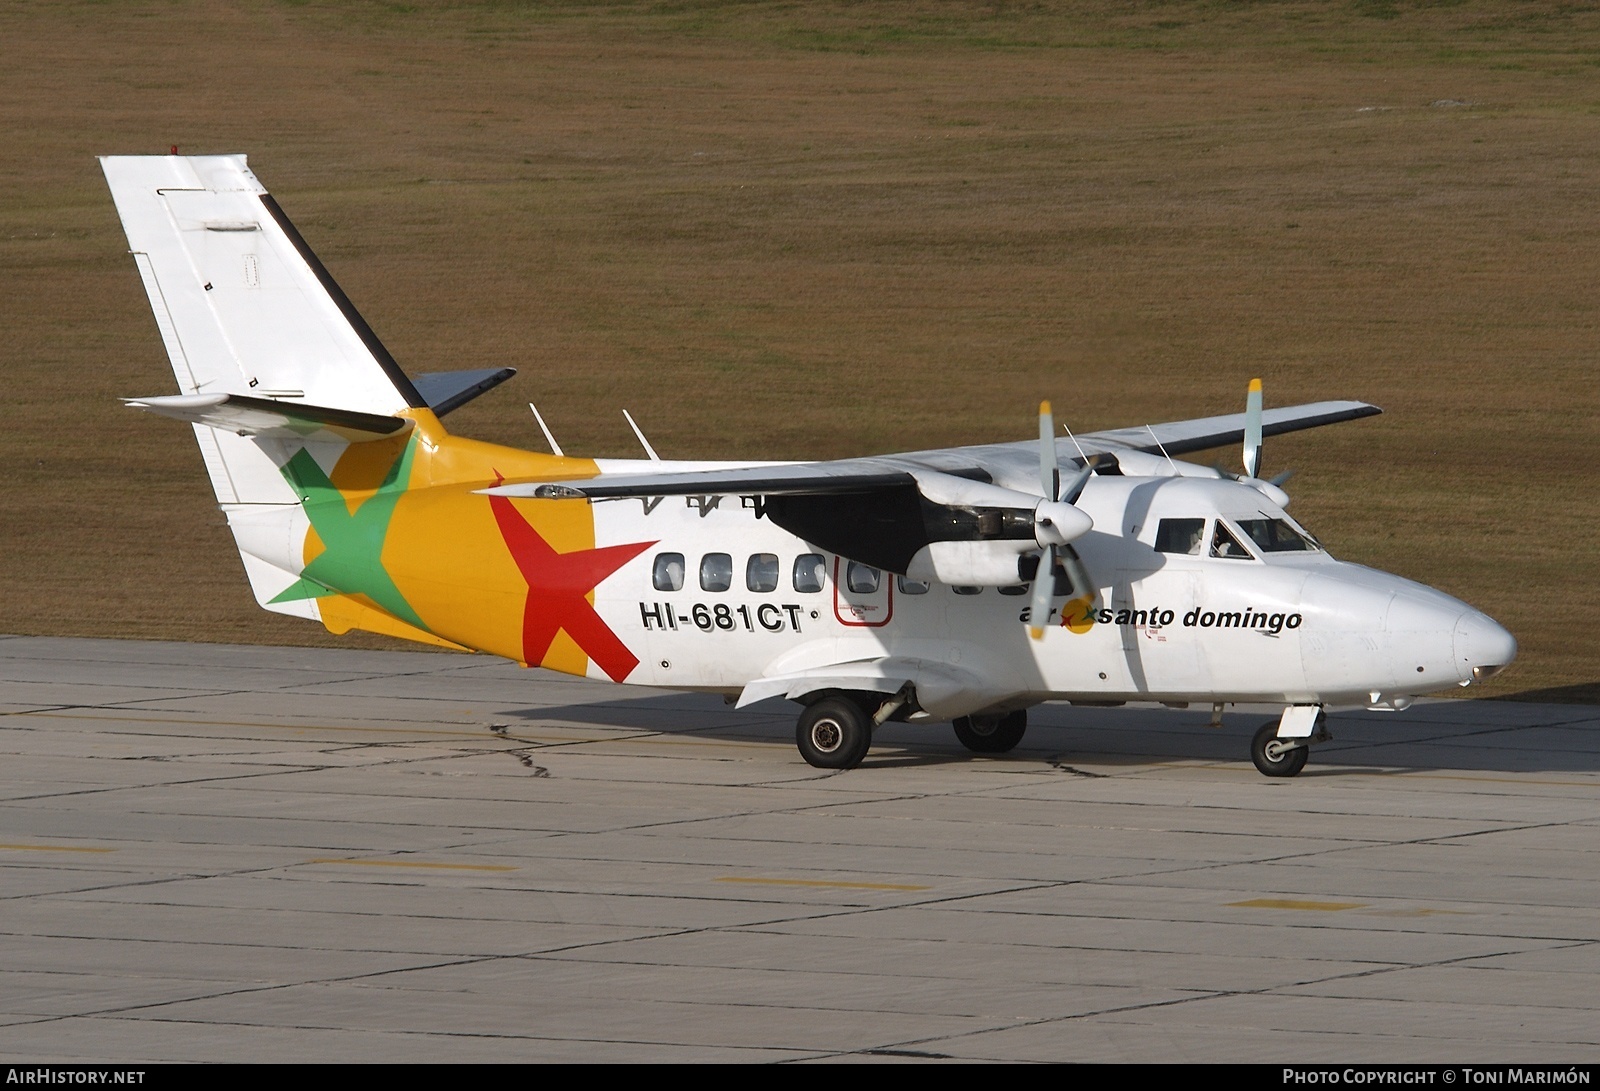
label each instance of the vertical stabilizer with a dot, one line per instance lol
(245, 308)
(243, 304)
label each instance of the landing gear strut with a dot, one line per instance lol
(992, 734)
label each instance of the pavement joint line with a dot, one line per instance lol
(841, 885)
(630, 735)
(413, 864)
(427, 1033)
(1214, 994)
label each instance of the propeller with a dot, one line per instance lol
(1252, 449)
(1056, 520)
(1252, 430)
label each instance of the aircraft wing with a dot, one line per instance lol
(1016, 461)
(1204, 433)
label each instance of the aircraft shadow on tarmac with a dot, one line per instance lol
(1457, 736)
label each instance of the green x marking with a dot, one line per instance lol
(351, 562)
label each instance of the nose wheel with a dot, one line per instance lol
(1275, 757)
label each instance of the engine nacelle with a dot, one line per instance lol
(971, 564)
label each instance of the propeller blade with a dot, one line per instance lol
(1073, 488)
(1049, 469)
(1043, 585)
(1279, 479)
(1252, 430)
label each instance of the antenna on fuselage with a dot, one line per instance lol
(649, 450)
(548, 438)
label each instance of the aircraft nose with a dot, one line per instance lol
(1483, 647)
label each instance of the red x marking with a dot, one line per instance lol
(558, 588)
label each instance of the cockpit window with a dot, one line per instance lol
(1277, 536)
(1180, 536)
(1224, 544)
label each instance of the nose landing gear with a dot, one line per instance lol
(1275, 757)
(1281, 747)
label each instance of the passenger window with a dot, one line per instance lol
(1015, 589)
(668, 573)
(716, 572)
(1180, 536)
(1224, 544)
(861, 579)
(967, 590)
(761, 573)
(911, 587)
(808, 572)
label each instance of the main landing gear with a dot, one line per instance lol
(834, 733)
(835, 730)
(993, 733)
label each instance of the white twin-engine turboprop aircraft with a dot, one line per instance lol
(963, 585)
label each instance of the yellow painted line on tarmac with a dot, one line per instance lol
(1419, 913)
(1289, 903)
(412, 864)
(820, 883)
(52, 848)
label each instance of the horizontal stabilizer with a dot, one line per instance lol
(447, 390)
(268, 418)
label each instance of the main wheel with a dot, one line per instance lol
(1276, 757)
(992, 734)
(834, 733)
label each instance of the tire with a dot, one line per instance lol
(992, 734)
(834, 733)
(1271, 758)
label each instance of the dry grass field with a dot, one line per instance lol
(821, 228)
